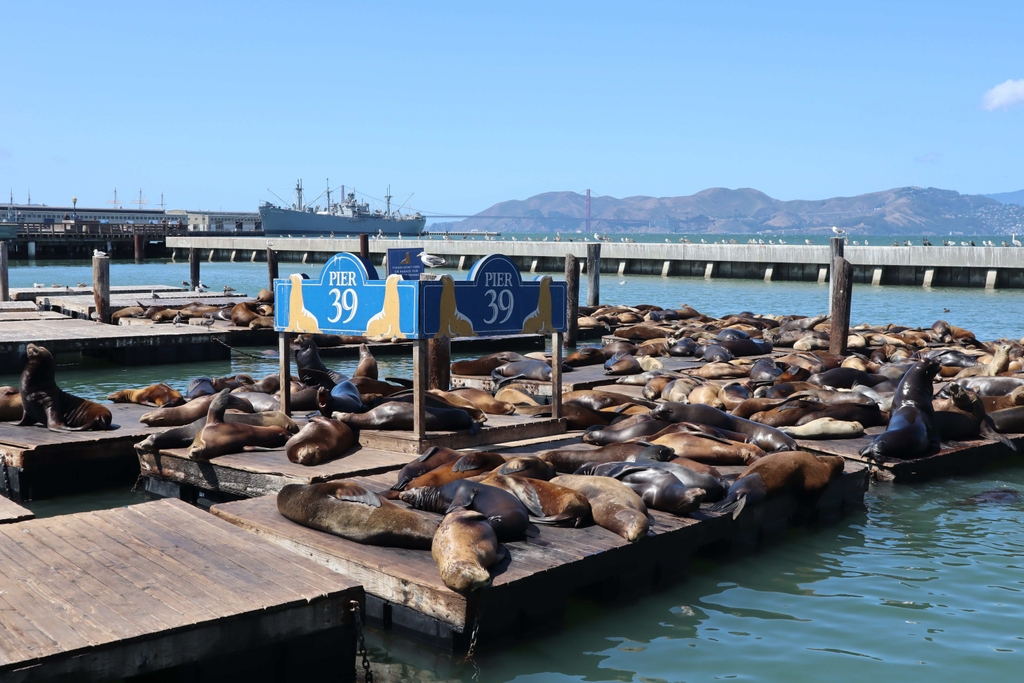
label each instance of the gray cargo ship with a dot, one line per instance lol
(348, 217)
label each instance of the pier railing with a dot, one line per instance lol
(90, 229)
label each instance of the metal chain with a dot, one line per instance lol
(234, 350)
(361, 643)
(474, 634)
(138, 480)
(7, 477)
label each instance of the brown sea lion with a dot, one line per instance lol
(596, 399)
(346, 509)
(468, 465)
(184, 435)
(587, 355)
(320, 440)
(963, 416)
(768, 438)
(242, 314)
(613, 505)
(709, 449)
(547, 503)
(265, 296)
(571, 459)
(263, 322)
(485, 364)
(721, 371)
(176, 416)
(706, 394)
(367, 363)
(430, 459)
(577, 416)
(510, 394)
(219, 437)
(477, 399)
(268, 385)
(10, 404)
(128, 312)
(528, 466)
(43, 402)
(504, 511)
(158, 395)
(399, 415)
(464, 547)
(992, 403)
(797, 472)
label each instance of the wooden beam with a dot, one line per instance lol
(556, 375)
(572, 300)
(594, 274)
(101, 287)
(420, 380)
(285, 370)
(842, 297)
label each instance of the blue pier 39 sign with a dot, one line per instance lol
(348, 299)
(493, 300)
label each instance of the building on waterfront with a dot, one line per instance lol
(196, 221)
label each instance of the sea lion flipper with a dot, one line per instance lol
(469, 462)
(462, 499)
(987, 429)
(527, 494)
(357, 494)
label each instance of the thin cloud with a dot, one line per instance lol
(929, 158)
(1004, 95)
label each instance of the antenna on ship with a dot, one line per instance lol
(140, 201)
(387, 197)
(298, 195)
(161, 201)
(113, 201)
(328, 195)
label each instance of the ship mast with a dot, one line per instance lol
(328, 195)
(388, 198)
(298, 195)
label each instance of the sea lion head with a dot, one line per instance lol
(681, 499)
(423, 498)
(655, 452)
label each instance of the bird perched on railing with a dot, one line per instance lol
(430, 260)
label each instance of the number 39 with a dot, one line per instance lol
(344, 302)
(499, 302)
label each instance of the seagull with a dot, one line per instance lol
(38, 285)
(154, 295)
(228, 289)
(177, 319)
(807, 242)
(185, 283)
(1014, 240)
(58, 286)
(97, 252)
(431, 261)
(837, 230)
(81, 284)
(622, 282)
(207, 322)
(269, 243)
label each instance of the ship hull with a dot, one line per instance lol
(287, 222)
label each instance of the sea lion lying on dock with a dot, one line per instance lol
(219, 437)
(658, 488)
(10, 404)
(614, 505)
(798, 472)
(183, 436)
(464, 547)
(320, 440)
(504, 511)
(43, 402)
(547, 503)
(158, 395)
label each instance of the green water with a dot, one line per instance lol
(918, 586)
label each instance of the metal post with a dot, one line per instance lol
(572, 300)
(285, 370)
(5, 292)
(593, 274)
(556, 374)
(193, 268)
(101, 287)
(842, 298)
(419, 399)
(271, 268)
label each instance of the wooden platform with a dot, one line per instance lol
(43, 463)
(83, 306)
(33, 314)
(492, 344)
(256, 474)
(31, 293)
(8, 306)
(12, 512)
(153, 587)
(530, 587)
(497, 429)
(955, 457)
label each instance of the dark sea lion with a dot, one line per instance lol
(533, 369)
(577, 416)
(844, 378)
(504, 511)
(265, 402)
(963, 416)
(713, 353)
(624, 364)
(464, 547)
(997, 496)
(588, 355)
(764, 371)
(634, 427)
(613, 505)
(399, 415)
(312, 371)
(369, 387)
(346, 509)
(468, 465)
(43, 402)
(797, 472)
(529, 466)
(219, 437)
(486, 364)
(745, 347)
(691, 477)
(342, 397)
(320, 440)
(992, 403)
(991, 386)
(683, 348)
(911, 431)
(596, 399)
(268, 385)
(367, 364)
(767, 438)
(183, 436)
(10, 404)
(571, 459)
(435, 401)
(547, 503)
(158, 395)
(659, 489)
(200, 386)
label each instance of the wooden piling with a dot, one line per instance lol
(364, 245)
(556, 375)
(285, 370)
(140, 248)
(5, 290)
(439, 354)
(593, 274)
(572, 300)
(842, 297)
(101, 287)
(836, 251)
(420, 380)
(193, 268)
(271, 268)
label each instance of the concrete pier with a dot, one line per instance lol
(999, 267)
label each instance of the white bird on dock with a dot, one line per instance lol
(807, 241)
(97, 252)
(837, 230)
(228, 289)
(865, 243)
(782, 241)
(81, 284)
(430, 260)
(154, 295)
(38, 285)
(185, 283)
(1014, 240)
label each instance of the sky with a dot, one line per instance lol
(217, 105)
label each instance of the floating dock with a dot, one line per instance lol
(164, 587)
(530, 587)
(11, 512)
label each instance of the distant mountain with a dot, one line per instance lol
(904, 211)
(1008, 197)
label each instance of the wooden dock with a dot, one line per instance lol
(498, 429)
(955, 457)
(78, 306)
(39, 463)
(11, 512)
(33, 293)
(530, 587)
(164, 587)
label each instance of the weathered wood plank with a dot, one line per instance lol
(12, 512)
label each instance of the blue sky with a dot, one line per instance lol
(468, 104)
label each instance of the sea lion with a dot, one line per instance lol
(464, 547)
(613, 505)
(634, 427)
(182, 436)
(713, 353)
(826, 428)
(577, 416)
(658, 488)
(468, 465)
(43, 402)
(486, 364)
(547, 503)
(1000, 361)
(624, 364)
(367, 363)
(200, 386)
(721, 371)
(911, 431)
(342, 397)
(599, 400)
(708, 449)
(515, 397)
(312, 371)
(587, 355)
(992, 403)
(991, 386)
(263, 322)
(242, 314)
(571, 459)
(480, 399)
(219, 437)
(963, 416)
(10, 404)
(430, 459)
(504, 511)
(706, 394)
(798, 472)
(320, 440)
(265, 296)
(767, 438)
(346, 509)
(1008, 420)
(530, 368)
(399, 415)
(158, 395)
(527, 466)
